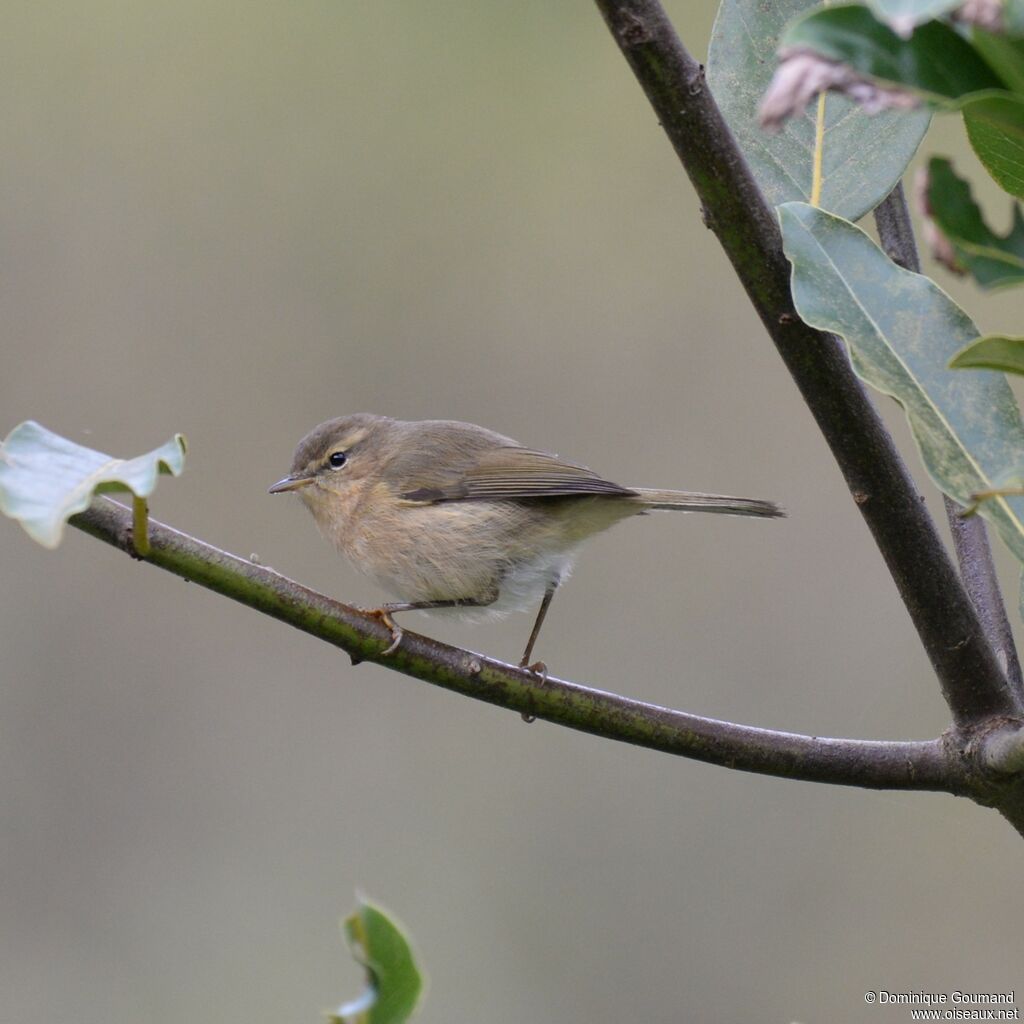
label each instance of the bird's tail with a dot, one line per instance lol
(690, 501)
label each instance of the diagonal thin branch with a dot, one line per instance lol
(968, 670)
(879, 764)
(970, 536)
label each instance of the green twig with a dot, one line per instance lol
(924, 765)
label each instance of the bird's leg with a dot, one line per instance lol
(538, 667)
(385, 611)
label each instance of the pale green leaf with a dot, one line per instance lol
(903, 15)
(45, 478)
(394, 983)
(902, 330)
(863, 155)
(1013, 17)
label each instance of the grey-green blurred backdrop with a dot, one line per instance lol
(238, 219)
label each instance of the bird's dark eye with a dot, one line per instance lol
(337, 459)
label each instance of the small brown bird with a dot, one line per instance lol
(448, 515)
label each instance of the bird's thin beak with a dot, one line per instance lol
(290, 483)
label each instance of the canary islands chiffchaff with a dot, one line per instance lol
(448, 515)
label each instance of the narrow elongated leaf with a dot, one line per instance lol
(902, 330)
(994, 260)
(863, 155)
(995, 126)
(992, 352)
(394, 983)
(45, 478)
(936, 61)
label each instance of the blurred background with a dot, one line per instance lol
(239, 219)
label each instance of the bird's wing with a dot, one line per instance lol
(510, 473)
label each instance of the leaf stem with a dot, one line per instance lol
(819, 151)
(140, 525)
(873, 764)
(978, 498)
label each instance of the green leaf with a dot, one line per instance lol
(863, 156)
(994, 260)
(936, 61)
(902, 15)
(992, 352)
(942, 66)
(394, 983)
(995, 126)
(902, 330)
(45, 478)
(1004, 53)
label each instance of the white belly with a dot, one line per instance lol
(521, 589)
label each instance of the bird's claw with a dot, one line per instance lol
(396, 637)
(384, 614)
(539, 669)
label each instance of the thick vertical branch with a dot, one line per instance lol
(970, 537)
(971, 677)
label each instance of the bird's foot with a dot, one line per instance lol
(384, 614)
(540, 670)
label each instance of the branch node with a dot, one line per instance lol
(1002, 748)
(632, 30)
